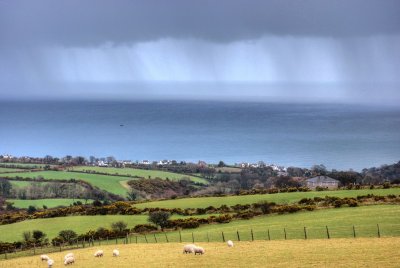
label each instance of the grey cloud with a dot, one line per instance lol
(92, 22)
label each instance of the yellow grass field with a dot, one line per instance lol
(360, 252)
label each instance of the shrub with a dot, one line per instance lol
(143, 228)
(159, 218)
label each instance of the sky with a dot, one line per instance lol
(298, 50)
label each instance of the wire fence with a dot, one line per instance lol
(222, 235)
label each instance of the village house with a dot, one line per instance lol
(322, 181)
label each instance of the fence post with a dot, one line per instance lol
(208, 238)
(116, 240)
(180, 236)
(166, 237)
(354, 231)
(83, 243)
(136, 238)
(5, 254)
(238, 235)
(34, 249)
(223, 236)
(192, 237)
(379, 231)
(60, 247)
(327, 232)
(284, 230)
(155, 238)
(145, 238)
(269, 237)
(252, 236)
(305, 233)
(107, 240)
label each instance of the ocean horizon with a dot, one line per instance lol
(340, 136)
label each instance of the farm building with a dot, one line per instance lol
(322, 181)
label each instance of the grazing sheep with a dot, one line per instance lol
(50, 263)
(199, 250)
(44, 257)
(68, 255)
(69, 260)
(189, 248)
(230, 243)
(115, 253)
(99, 253)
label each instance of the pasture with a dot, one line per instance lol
(6, 170)
(110, 184)
(49, 202)
(280, 198)
(339, 221)
(362, 252)
(140, 173)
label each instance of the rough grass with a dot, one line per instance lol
(202, 202)
(49, 202)
(140, 173)
(25, 165)
(365, 252)
(339, 221)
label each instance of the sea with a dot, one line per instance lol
(339, 136)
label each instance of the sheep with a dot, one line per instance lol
(99, 253)
(68, 255)
(115, 253)
(230, 243)
(44, 257)
(199, 250)
(50, 263)
(69, 260)
(189, 248)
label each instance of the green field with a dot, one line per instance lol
(4, 170)
(19, 184)
(25, 165)
(281, 198)
(140, 173)
(80, 224)
(50, 202)
(109, 183)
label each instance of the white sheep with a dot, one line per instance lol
(50, 263)
(199, 250)
(115, 253)
(189, 248)
(69, 260)
(99, 253)
(69, 255)
(230, 243)
(44, 257)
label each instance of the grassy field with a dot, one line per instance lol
(26, 165)
(109, 183)
(340, 222)
(140, 172)
(50, 203)
(365, 252)
(80, 224)
(19, 184)
(280, 198)
(4, 170)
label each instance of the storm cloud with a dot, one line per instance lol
(74, 48)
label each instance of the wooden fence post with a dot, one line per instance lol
(208, 238)
(223, 236)
(136, 238)
(354, 231)
(379, 231)
(180, 236)
(34, 249)
(238, 235)
(192, 238)
(145, 238)
(269, 237)
(305, 233)
(252, 236)
(284, 230)
(327, 232)
(166, 237)
(5, 254)
(155, 238)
